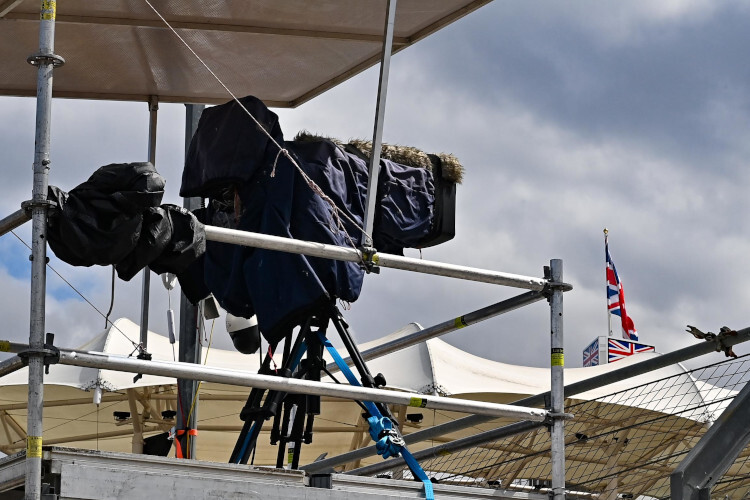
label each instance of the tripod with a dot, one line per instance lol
(294, 414)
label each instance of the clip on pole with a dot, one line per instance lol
(369, 260)
(50, 353)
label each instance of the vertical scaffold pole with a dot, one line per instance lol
(190, 325)
(45, 60)
(153, 113)
(377, 139)
(557, 361)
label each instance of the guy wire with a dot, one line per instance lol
(137, 346)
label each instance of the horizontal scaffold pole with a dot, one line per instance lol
(11, 365)
(14, 220)
(288, 385)
(257, 240)
(451, 325)
(442, 450)
(646, 366)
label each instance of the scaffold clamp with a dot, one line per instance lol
(720, 339)
(49, 352)
(369, 260)
(39, 59)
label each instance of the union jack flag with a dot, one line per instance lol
(616, 297)
(591, 354)
(619, 349)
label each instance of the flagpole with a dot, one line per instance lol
(606, 282)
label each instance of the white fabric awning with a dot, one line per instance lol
(71, 418)
(283, 51)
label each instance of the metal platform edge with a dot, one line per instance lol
(89, 474)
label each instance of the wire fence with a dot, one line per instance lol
(622, 444)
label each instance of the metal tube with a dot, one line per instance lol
(145, 293)
(602, 380)
(377, 136)
(45, 64)
(269, 242)
(447, 326)
(289, 385)
(710, 458)
(190, 322)
(443, 449)
(14, 220)
(557, 384)
(153, 112)
(10, 365)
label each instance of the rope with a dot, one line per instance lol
(273, 170)
(135, 345)
(336, 211)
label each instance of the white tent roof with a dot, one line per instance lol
(118, 339)
(433, 366)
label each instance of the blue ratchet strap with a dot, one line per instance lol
(347, 372)
(298, 359)
(380, 424)
(250, 432)
(380, 432)
(417, 470)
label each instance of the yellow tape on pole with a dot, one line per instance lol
(418, 402)
(558, 357)
(34, 446)
(49, 10)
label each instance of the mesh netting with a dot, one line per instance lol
(625, 443)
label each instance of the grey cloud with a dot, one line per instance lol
(569, 118)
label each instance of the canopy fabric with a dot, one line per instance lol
(283, 51)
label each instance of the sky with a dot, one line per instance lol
(569, 118)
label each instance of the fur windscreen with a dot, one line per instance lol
(406, 155)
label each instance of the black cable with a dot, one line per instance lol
(112, 302)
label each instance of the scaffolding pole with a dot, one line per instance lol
(153, 113)
(191, 322)
(17, 218)
(377, 136)
(218, 375)
(557, 384)
(268, 242)
(448, 448)
(45, 61)
(451, 325)
(10, 365)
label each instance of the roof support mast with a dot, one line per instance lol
(377, 139)
(153, 113)
(45, 60)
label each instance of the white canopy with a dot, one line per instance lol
(434, 366)
(283, 51)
